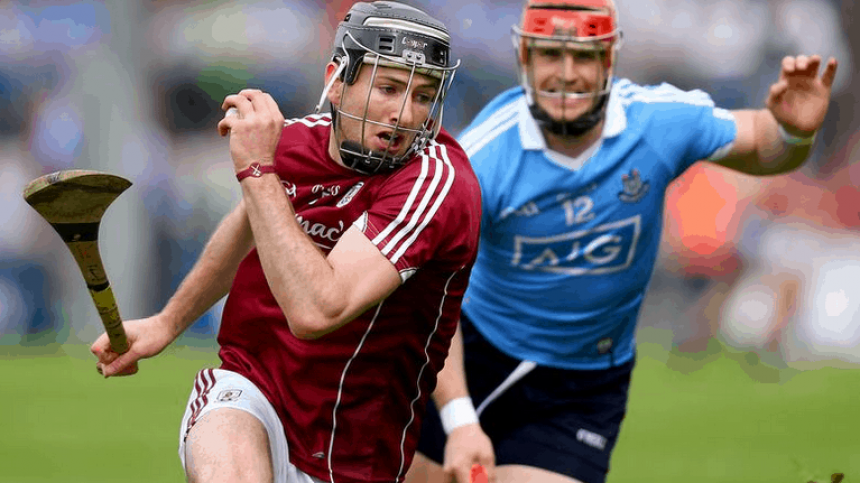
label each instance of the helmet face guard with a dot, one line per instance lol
(567, 28)
(388, 35)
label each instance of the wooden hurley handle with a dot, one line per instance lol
(89, 260)
(109, 313)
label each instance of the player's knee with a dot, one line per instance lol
(228, 445)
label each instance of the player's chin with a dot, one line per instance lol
(566, 111)
(566, 116)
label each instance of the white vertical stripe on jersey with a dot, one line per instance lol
(340, 387)
(407, 205)
(420, 375)
(428, 197)
(422, 206)
(443, 156)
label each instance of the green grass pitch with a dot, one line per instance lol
(59, 421)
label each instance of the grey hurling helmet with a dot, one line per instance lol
(389, 34)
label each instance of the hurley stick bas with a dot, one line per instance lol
(73, 202)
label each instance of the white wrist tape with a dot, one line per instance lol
(794, 140)
(458, 412)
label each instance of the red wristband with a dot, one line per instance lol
(255, 170)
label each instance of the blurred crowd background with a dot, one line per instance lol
(768, 265)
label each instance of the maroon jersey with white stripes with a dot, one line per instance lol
(351, 402)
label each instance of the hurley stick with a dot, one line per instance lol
(73, 202)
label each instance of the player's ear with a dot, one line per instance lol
(335, 91)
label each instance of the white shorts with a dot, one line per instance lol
(217, 388)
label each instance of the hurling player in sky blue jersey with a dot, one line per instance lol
(573, 166)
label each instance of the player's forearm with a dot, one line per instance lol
(770, 154)
(298, 273)
(775, 154)
(451, 380)
(211, 277)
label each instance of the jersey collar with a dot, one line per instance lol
(532, 137)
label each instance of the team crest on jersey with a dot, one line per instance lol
(634, 188)
(229, 395)
(349, 194)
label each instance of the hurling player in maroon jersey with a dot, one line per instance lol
(345, 264)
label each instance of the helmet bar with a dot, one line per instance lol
(407, 63)
(573, 95)
(337, 73)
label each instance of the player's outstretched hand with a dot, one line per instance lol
(799, 99)
(466, 446)
(146, 338)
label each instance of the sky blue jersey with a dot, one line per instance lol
(566, 255)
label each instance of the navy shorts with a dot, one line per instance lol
(564, 421)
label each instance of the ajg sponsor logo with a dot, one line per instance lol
(607, 248)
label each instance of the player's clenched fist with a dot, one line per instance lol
(146, 338)
(255, 130)
(466, 447)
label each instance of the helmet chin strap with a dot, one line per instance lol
(365, 161)
(576, 127)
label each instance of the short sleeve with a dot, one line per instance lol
(426, 210)
(687, 125)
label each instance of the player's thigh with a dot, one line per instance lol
(228, 445)
(425, 470)
(529, 474)
(242, 438)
